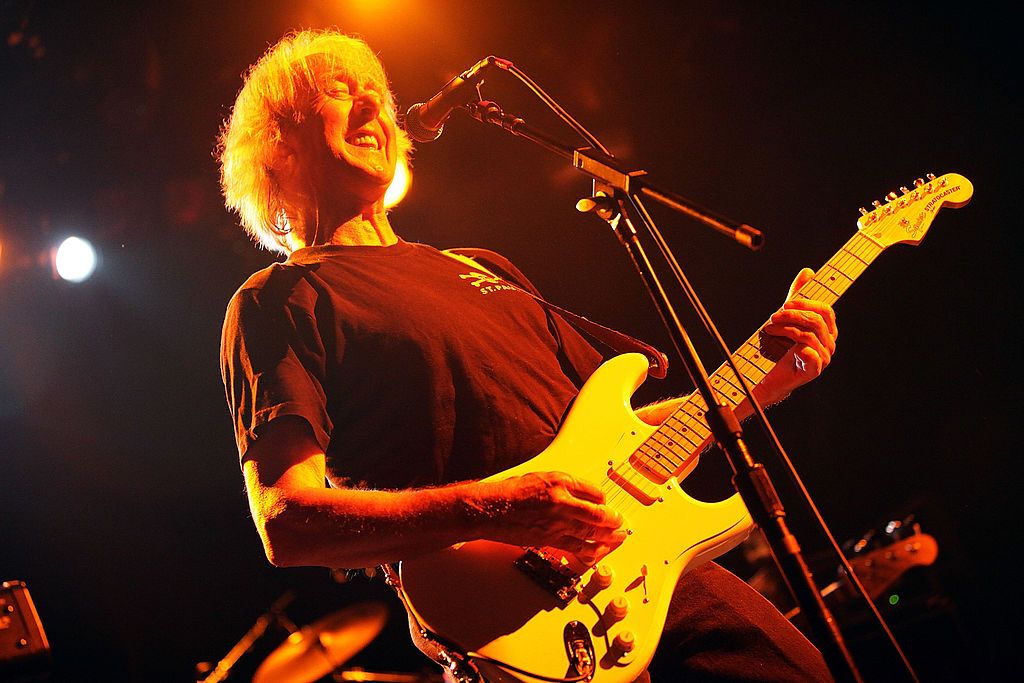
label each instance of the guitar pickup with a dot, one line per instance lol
(635, 485)
(549, 572)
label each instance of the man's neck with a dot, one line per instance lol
(368, 226)
(371, 230)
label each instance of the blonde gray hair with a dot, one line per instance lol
(279, 91)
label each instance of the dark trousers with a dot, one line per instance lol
(721, 629)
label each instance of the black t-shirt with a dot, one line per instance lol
(412, 368)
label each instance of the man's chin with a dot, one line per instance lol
(377, 172)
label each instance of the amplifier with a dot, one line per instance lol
(24, 650)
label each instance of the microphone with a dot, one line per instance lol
(424, 122)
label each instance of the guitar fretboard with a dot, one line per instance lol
(671, 448)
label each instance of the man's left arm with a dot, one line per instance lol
(810, 325)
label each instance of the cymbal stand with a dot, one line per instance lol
(274, 615)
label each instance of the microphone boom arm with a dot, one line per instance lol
(613, 174)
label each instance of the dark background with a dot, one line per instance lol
(122, 506)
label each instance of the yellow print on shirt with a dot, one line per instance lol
(486, 283)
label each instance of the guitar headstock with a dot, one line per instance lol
(880, 568)
(905, 217)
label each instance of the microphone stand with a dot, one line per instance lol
(750, 478)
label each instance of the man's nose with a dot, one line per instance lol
(368, 105)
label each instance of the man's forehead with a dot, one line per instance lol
(355, 65)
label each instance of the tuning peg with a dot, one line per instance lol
(863, 211)
(877, 204)
(930, 176)
(865, 543)
(891, 196)
(919, 182)
(904, 189)
(898, 529)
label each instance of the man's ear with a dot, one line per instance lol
(296, 153)
(290, 165)
(283, 158)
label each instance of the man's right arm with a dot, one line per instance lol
(302, 522)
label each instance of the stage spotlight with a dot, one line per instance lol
(75, 260)
(399, 185)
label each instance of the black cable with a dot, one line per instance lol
(553, 105)
(524, 672)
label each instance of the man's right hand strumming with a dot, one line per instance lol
(548, 509)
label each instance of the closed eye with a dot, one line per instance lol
(338, 93)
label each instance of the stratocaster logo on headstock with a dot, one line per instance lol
(913, 230)
(931, 202)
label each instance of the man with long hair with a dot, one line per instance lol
(373, 385)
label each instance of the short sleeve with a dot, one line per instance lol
(272, 364)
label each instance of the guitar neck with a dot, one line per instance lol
(671, 449)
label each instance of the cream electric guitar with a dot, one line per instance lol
(509, 613)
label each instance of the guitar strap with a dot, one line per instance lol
(614, 339)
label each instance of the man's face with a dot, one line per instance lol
(359, 134)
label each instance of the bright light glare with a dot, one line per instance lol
(399, 185)
(75, 260)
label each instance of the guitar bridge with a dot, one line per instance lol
(549, 572)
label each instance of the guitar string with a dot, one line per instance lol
(677, 428)
(849, 262)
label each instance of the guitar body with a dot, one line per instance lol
(475, 597)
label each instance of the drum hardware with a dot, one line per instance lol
(208, 673)
(319, 649)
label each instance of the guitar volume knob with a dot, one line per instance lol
(617, 609)
(624, 643)
(603, 576)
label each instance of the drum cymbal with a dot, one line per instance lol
(321, 647)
